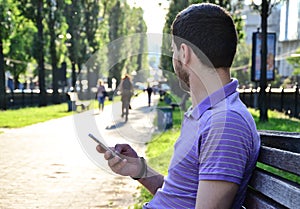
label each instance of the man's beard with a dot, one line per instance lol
(182, 75)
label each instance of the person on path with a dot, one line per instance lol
(126, 89)
(149, 93)
(218, 147)
(101, 94)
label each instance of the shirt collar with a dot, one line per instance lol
(213, 99)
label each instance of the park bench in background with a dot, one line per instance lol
(181, 104)
(267, 190)
(76, 102)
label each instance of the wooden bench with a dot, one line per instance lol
(76, 102)
(267, 190)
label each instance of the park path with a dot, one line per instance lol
(54, 165)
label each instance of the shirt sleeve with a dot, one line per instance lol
(224, 148)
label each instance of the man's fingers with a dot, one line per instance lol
(108, 155)
(113, 161)
(111, 157)
(100, 149)
(119, 165)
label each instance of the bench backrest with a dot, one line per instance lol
(280, 150)
(73, 96)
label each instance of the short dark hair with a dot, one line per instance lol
(209, 30)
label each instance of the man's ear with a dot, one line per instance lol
(185, 53)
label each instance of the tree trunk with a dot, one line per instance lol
(2, 78)
(55, 95)
(74, 75)
(43, 96)
(263, 117)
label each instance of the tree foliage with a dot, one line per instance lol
(46, 33)
(241, 64)
(166, 58)
(295, 62)
(34, 10)
(5, 29)
(124, 22)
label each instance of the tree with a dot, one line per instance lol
(5, 29)
(142, 61)
(91, 40)
(33, 10)
(74, 17)
(2, 76)
(98, 62)
(166, 58)
(40, 55)
(136, 43)
(127, 40)
(20, 50)
(54, 10)
(116, 30)
(241, 63)
(294, 60)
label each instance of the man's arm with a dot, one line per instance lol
(215, 194)
(153, 181)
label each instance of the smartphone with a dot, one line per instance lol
(103, 145)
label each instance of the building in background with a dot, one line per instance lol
(284, 21)
(289, 35)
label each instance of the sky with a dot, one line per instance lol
(154, 13)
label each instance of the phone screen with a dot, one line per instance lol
(104, 146)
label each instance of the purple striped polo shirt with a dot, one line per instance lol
(218, 141)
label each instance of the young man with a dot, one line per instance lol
(218, 147)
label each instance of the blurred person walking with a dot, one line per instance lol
(149, 92)
(126, 88)
(101, 94)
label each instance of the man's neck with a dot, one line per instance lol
(204, 81)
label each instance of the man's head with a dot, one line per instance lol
(208, 29)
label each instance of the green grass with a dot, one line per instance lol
(281, 173)
(277, 121)
(159, 152)
(31, 115)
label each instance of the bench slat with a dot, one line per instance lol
(285, 160)
(282, 191)
(289, 141)
(255, 200)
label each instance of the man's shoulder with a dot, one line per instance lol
(229, 119)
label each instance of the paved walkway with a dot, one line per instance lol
(54, 164)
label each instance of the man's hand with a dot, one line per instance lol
(128, 164)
